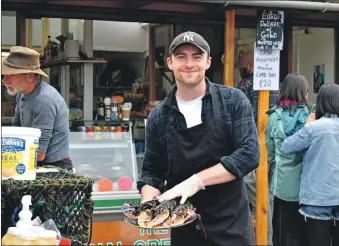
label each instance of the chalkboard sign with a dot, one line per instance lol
(270, 30)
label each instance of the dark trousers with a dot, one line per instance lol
(322, 232)
(288, 224)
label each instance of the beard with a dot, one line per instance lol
(11, 90)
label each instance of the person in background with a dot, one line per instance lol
(319, 189)
(246, 67)
(201, 141)
(38, 105)
(284, 120)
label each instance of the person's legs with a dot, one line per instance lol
(319, 224)
(319, 232)
(335, 231)
(288, 224)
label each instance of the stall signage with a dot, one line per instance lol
(118, 233)
(266, 69)
(270, 29)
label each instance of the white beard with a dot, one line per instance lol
(11, 90)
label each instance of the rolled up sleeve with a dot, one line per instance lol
(246, 156)
(152, 172)
(44, 115)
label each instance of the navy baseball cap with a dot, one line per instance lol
(189, 38)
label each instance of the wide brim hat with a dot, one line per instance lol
(21, 60)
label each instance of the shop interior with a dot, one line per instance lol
(87, 62)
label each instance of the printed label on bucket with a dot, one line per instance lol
(12, 154)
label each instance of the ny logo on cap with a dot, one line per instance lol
(188, 37)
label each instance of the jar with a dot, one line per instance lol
(11, 236)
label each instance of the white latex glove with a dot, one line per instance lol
(185, 189)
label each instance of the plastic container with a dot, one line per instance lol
(48, 238)
(11, 237)
(19, 152)
(28, 238)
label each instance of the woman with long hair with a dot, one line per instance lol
(289, 116)
(319, 189)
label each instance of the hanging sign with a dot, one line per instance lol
(270, 30)
(266, 69)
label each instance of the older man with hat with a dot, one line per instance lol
(38, 105)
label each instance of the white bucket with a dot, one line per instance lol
(19, 152)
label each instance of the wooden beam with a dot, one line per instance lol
(151, 65)
(262, 171)
(229, 48)
(336, 57)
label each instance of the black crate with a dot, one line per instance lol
(62, 196)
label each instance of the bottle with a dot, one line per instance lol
(101, 109)
(107, 103)
(25, 214)
(48, 50)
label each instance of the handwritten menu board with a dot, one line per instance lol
(270, 30)
(266, 69)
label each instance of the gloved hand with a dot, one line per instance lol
(185, 189)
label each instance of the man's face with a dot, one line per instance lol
(189, 64)
(17, 83)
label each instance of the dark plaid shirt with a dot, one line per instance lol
(230, 104)
(246, 86)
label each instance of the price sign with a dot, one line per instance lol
(266, 69)
(270, 30)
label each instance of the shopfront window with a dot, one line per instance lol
(36, 33)
(76, 91)
(76, 27)
(8, 28)
(164, 76)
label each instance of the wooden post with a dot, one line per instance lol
(151, 65)
(262, 171)
(229, 48)
(29, 29)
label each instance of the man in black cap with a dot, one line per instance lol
(200, 143)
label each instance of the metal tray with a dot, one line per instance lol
(129, 222)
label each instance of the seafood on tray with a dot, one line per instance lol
(152, 214)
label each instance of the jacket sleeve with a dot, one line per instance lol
(299, 141)
(245, 158)
(152, 172)
(270, 147)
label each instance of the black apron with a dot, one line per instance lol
(224, 208)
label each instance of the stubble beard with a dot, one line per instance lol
(12, 91)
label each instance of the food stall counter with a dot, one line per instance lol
(106, 152)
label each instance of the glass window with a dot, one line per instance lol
(8, 28)
(36, 33)
(77, 28)
(76, 92)
(54, 28)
